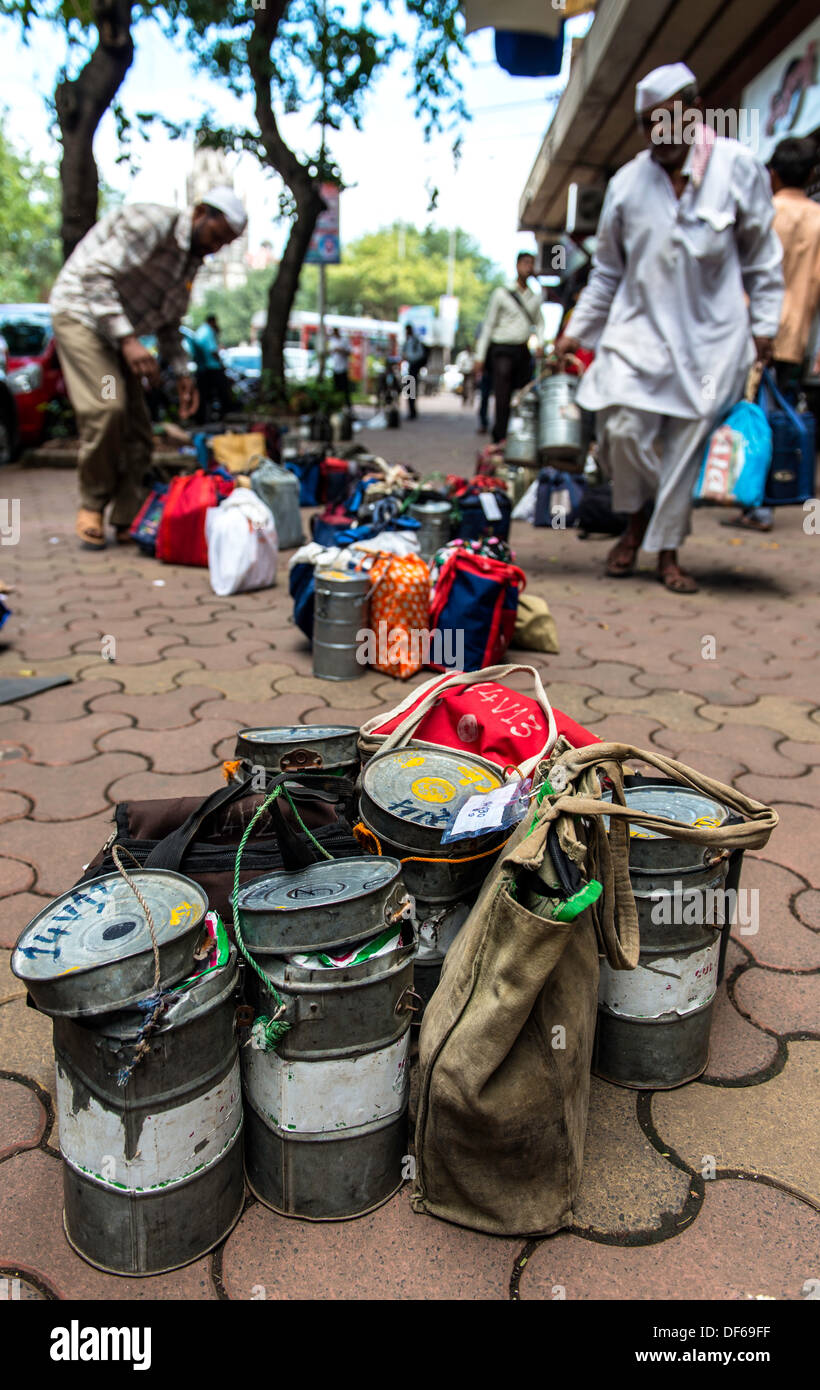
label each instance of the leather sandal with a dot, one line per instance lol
(89, 529)
(676, 580)
(123, 535)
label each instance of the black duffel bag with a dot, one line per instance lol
(200, 838)
(470, 521)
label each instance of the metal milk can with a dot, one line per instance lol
(340, 612)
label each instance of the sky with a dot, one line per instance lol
(387, 165)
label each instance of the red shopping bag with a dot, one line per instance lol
(181, 534)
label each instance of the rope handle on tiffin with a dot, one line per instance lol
(154, 1005)
(266, 1030)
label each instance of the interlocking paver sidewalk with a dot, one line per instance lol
(191, 668)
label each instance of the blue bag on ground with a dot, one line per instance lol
(307, 469)
(558, 498)
(302, 585)
(737, 458)
(791, 475)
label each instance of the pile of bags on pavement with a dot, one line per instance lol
(437, 554)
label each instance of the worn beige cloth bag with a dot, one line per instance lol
(506, 1040)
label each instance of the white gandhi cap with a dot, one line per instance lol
(225, 201)
(661, 84)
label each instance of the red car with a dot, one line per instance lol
(32, 369)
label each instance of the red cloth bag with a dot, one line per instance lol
(181, 534)
(472, 712)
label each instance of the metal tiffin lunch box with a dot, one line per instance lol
(90, 952)
(325, 905)
(301, 748)
(654, 1021)
(152, 1171)
(409, 798)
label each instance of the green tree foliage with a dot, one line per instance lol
(235, 308)
(402, 265)
(30, 251)
(379, 273)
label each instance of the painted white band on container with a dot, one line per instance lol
(661, 984)
(172, 1146)
(327, 1096)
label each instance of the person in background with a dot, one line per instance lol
(685, 229)
(212, 383)
(513, 316)
(339, 352)
(464, 362)
(797, 223)
(415, 355)
(129, 276)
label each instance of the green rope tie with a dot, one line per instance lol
(266, 1032)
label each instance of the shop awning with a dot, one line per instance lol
(725, 42)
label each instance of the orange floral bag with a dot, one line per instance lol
(399, 614)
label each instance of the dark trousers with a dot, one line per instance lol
(412, 389)
(485, 391)
(215, 395)
(341, 383)
(512, 369)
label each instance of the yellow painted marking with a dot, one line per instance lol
(433, 789)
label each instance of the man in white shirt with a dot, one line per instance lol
(685, 230)
(339, 354)
(513, 316)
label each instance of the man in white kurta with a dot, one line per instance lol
(685, 234)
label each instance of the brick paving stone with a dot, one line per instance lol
(154, 678)
(748, 1239)
(673, 709)
(25, 1042)
(243, 652)
(782, 941)
(17, 912)
(67, 793)
(56, 643)
(737, 1049)
(750, 747)
(32, 1239)
(211, 633)
(59, 852)
(171, 710)
(15, 876)
(65, 703)
(277, 712)
(389, 1254)
(134, 651)
(782, 1002)
(173, 750)
(57, 744)
(802, 788)
(803, 754)
(623, 728)
(243, 683)
(755, 1129)
(807, 907)
(13, 806)
(22, 1117)
(13, 664)
(626, 1184)
(147, 785)
(337, 694)
(796, 841)
(781, 714)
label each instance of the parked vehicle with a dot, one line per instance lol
(8, 411)
(33, 368)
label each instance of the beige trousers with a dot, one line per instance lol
(112, 420)
(653, 457)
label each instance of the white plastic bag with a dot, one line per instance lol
(242, 544)
(524, 510)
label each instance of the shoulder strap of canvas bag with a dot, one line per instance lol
(403, 732)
